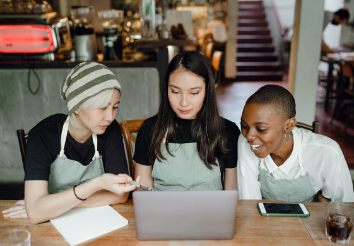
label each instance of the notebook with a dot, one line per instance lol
(81, 224)
(185, 215)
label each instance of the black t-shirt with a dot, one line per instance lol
(43, 147)
(141, 155)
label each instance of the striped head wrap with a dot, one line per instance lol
(84, 81)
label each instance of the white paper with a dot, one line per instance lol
(81, 224)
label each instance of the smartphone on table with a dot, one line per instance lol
(283, 209)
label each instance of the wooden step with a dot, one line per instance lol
(242, 39)
(259, 76)
(252, 23)
(255, 47)
(258, 66)
(251, 7)
(256, 57)
(249, 2)
(251, 15)
(253, 30)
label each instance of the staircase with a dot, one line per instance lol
(256, 59)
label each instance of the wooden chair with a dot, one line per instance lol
(314, 128)
(22, 137)
(217, 64)
(209, 50)
(128, 128)
(345, 91)
(204, 42)
(348, 72)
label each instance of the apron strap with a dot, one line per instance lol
(64, 134)
(262, 165)
(94, 138)
(298, 145)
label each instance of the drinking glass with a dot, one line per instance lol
(339, 222)
(16, 237)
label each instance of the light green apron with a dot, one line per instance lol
(184, 170)
(299, 189)
(66, 173)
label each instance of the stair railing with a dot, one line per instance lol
(274, 25)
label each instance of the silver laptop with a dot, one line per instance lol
(185, 215)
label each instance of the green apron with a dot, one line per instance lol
(66, 173)
(184, 170)
(299, 189)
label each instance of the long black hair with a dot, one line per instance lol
(208, 128)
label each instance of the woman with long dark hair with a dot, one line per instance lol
(187, 145)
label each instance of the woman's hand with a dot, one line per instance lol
(17, 211)
(118, 184)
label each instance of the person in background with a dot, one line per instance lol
(340, 17)
(76, 160)
(187, 145)
(279, 161)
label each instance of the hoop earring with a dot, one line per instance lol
(287, 137)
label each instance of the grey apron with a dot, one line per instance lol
(299, 189)
(185, 170)
(66, 173)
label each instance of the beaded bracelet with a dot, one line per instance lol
(77, 196)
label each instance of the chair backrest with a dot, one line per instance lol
(314, 128)
(209, 50)
(128, 128)
(22, 137)
(217, 64)
(348, 71)
(207, 39)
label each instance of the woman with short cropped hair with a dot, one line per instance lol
(279, 161)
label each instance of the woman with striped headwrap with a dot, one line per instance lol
(76, 160)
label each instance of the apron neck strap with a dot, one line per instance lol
(94, 138)
(64, 134)
(297, 143)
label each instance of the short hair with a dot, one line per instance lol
(101, 100)
(342, 13)
(278, 97)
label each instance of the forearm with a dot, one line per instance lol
(102, 198)
(230, 179)
(144, 172)
(48, 206)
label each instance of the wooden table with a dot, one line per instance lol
(315, 224)
(250, 229)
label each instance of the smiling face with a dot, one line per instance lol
(186, 93)
(97, 120)
(264, 130)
